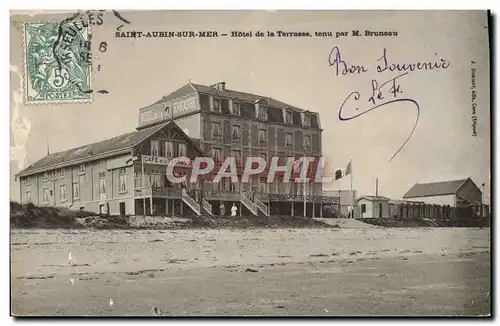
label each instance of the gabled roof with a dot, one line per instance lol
(374, 198)
(435, 188)
(106, 148)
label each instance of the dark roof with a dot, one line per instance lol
(274, 107)
(183, 91)
(104, 148)
(434, 189)
(405, 202)
(374, 198)
(248, 97)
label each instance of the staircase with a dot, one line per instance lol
(260, 205)
(207, 207)
(252, 207)
(191, 202)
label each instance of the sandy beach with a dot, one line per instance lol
(371, 271)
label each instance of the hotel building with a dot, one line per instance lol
(110, 177)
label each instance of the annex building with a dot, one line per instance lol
(111, 176)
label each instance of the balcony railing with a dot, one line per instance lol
(222, 195)
(159, 191)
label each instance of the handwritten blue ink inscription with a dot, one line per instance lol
(382, 93)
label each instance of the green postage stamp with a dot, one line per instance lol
(57, 62)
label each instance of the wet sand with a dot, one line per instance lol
(252, 272)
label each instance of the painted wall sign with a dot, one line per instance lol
(155, 159)
(160, 160)
(164, 111)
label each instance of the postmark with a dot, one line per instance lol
(57, 62)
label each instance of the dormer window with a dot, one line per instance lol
(235, 110)
(261, 112)
(306, 119)
(216, 107)
(288, 116)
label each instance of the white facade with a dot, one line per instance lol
(436, 200)
(372, 208)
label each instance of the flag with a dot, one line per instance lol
(342, 173)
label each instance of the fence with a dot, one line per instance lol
(408, 211)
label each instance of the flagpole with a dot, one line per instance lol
(143, 187)
(351, 194)
(304, 187)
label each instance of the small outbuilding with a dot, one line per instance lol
(372, 207)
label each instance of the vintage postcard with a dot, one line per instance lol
(250, 163)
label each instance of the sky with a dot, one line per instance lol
(138, 72)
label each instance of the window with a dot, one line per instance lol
(216, 104)
(307, 119)
(235, 133)
(217, 155)
(169, 149)
(307, 142)
(261, 112)
(63, 172)
(82, 168)
(363, 208)
(63, 193)
(216, 130)
(288, 139)
(155, 147)
(123, 181)
(102, 183)
(236, 108)
(155, 180)
(288, 116)
(182, 149)
(237, 156)
(76, 190)
(82, 178)
(27, 180)
(262, 137)
(46, 195)
(28, 197)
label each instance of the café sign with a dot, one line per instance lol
(160, 160)
(155, 159)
